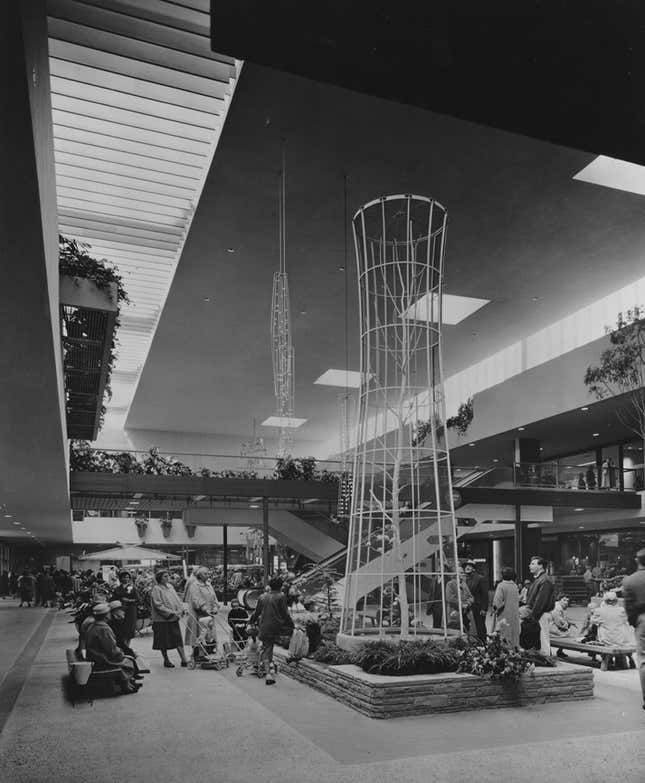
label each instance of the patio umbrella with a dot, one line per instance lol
(131, 552)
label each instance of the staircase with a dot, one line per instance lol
(572, 586)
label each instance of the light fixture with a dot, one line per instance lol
(344, 379)
(341, 268)
(614, 173)
(230, 249)
(253, 505)
(454, 309)
(535, 298)
(585, 408)
(471, 444)
(578, 509)
(541, 449)
(596, 434)
(207, 298)
(495, 460)
(283, 421)
(16, 523)
(581, 527)
(8, 516)
(521, 429)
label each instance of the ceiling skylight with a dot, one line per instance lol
(454, 308)
(283, 421)
(346, 379)
(614, 173)
(138, 104)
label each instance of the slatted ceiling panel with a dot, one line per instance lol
(136, 87)
(138, 102)
(103, 142)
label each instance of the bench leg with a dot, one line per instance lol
(604, 663)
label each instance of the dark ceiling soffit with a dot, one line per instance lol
(172, 486)
(550, 497)
(562, 72)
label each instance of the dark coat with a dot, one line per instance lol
(634, 595)
(272, 616)
(541, 596)
(101, 646)
(479, 590)
(130, 601)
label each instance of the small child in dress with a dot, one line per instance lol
(251, 654)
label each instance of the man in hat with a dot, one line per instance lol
(102, 649)
(479, 590)
(634, 595)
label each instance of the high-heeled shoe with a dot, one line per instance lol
(169, 664)
(184, 664)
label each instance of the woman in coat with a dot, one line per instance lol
(166, 611)
(26, 588)
(202, 602)
(127, 593)
(455, 589)
(611, 619)
(506, 608)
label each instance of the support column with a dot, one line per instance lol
(266, 555)
(225, 562)
(519, 544)
(621, 467)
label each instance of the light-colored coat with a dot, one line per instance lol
(506, 605)
(613, 627)
(201, 601)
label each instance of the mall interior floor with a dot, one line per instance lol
(210, 725)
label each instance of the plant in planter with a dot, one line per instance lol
(495, 660)
(407, 657)
(328, 652)
(142, 526)
(166, 527)
(76, 263)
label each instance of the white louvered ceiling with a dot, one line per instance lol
(138, 104)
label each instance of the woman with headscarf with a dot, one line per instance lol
(455, 589)
(166, 611)
(202, 604)
(127, 593)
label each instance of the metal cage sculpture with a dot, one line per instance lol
(402, 569)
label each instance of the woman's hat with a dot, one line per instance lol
(101, 609)
(115, 605)
(610, 597)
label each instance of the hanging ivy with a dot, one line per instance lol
(75, 262)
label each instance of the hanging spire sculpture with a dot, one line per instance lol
(281, 344)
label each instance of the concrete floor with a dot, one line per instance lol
(213, 726)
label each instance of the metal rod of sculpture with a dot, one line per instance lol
(345, 411)
(281, 342)
(402, 536)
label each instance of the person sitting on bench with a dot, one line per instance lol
(560, 624)
(102, 649)
(611, 620)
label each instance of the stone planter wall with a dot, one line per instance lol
(392, 697)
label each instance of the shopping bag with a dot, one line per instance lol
(299, 645)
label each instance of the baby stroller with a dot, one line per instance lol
(207, 654)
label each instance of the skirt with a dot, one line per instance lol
(166, 636)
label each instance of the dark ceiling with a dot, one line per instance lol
(567, 72)
(522, 233)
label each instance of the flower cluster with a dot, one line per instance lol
(495, 659)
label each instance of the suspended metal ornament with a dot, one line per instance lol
(281, 342)
(345, 411)
(253, 449)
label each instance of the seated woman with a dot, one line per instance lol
(560, 624)
(102, 649)
(611, 620)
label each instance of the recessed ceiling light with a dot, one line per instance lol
(596, 434)
(16, 523)
(584, 409)
(8, 516)
(471, 444)
(303, 312)
(454, 309)
(230, 249)
(535, 298)
(581, 527)
(341, 268)
(521, 429)
(283, 421)
(614, 173)
(253, 505)
(541, 449)
(495, 460)
(345, 379)
(207, 298)
(578, 509)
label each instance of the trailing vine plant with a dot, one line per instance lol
(75, 262)
(460, 422)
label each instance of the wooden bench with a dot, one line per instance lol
(96, 677)
(623, 655)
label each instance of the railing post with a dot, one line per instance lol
(266, 555)
(225, 563)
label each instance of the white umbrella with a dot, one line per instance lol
(131, 552)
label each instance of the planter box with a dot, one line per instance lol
(393, 697)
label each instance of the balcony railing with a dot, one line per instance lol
(573, 477)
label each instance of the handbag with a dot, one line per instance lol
(298, 645)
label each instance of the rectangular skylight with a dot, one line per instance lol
(454, 308)
(344, 378)
(283, 421)
(614, 173)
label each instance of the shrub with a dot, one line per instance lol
(332, 654)
(495, 660)
(407, 657)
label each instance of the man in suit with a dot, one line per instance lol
(634, 595)
(479, 589)
(539, 601)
